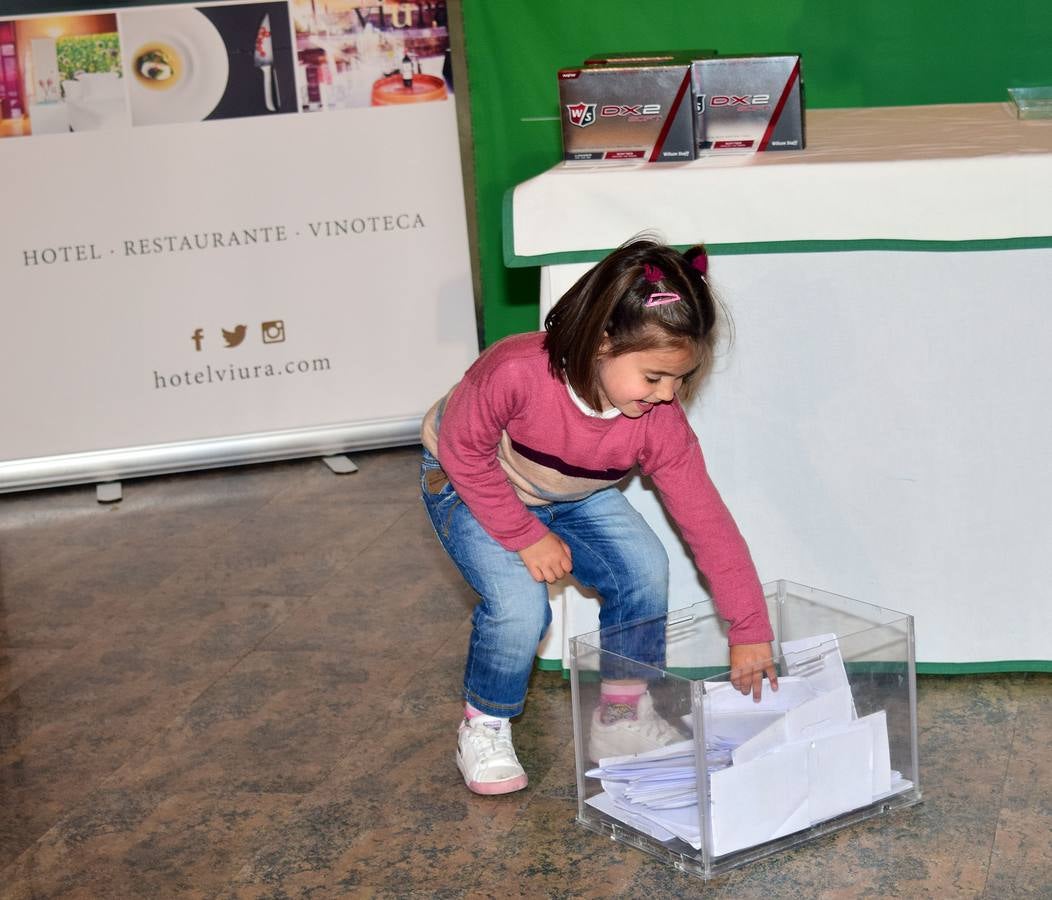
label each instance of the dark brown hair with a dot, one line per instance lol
(610, 302)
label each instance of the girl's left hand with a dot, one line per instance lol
(749, 663)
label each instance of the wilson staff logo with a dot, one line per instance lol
(581, 114)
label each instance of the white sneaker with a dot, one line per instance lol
(627, 737)
(486, 757)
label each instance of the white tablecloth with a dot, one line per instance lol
(966, 172)
(879, 427)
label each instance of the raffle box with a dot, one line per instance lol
(836, 744)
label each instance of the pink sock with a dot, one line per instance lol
(612, 692)
(619, 701)
(470, 712)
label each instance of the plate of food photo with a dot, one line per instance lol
(176, 65)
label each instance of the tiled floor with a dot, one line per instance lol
(244, 683)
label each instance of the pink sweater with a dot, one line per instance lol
(510, 435)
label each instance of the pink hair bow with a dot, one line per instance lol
(659, 298)
(652, 273)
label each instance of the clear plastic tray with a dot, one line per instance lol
(1032, 102)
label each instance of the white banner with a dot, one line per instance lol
(193, 285)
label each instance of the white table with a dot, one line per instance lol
(880, 426)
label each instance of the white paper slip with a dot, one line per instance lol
(605, 804)
(818, 660)
(898, 785)
(724, 696)
(681, 822)
(669, 798)
(672, 754)
(759, 801)
(881, 759)
(814, 715)
(732, 718)
(839, 771)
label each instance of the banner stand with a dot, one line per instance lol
(237, 234)
(185, 456)
(341, 464)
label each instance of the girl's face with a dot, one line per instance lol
(636, 382)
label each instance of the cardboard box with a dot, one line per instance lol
(624, 111)
(651, 56)
(748, 104)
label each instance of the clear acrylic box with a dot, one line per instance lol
(1032, 102)
(835, 745)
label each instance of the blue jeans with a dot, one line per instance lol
(614, 553)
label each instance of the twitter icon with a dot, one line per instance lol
(235, 337)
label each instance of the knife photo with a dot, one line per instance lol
(264, 58)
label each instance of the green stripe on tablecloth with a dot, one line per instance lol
(512, 260)
(551, 665)
(985, 668)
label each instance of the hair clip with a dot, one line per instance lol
(652, 273)
(701, 262)
(661, 298)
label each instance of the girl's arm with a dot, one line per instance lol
(475, 415)
(674, 460)
(717, 545)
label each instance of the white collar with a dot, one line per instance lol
(611, 413)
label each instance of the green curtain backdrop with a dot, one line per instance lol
(855, 53)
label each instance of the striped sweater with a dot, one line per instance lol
(509, 435)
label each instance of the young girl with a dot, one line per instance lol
(518, 477)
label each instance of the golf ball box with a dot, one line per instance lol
(648, 56)
(627, 111)
(674, 106)
(747, 104)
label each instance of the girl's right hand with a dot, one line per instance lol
(749, 663)
(548, 559)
